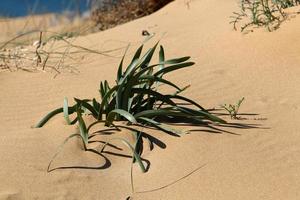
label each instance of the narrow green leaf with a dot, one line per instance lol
(66, 111)
(161, 57)
(145, 60)
(45, 119)
(120, 73)
(163, 127)
(137, 54)
(96, 105)
(187, 100)
(173, 67)
(160, 112)
(82, 127)
(158, 96)
(177, 60)
(204, 114)
(111, 116)
(87, 106)
(135, 155)
(120, 70)
(158, 79)
(105, 100)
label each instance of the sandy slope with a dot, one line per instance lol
(259, 163)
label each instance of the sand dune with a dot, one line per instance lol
(258, 163)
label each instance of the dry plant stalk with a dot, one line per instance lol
(56, 53)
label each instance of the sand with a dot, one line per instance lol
(257, 163)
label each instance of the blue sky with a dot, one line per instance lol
(14, 8)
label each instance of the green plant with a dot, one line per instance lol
(268, 13)
(233, 109)
(135, 98)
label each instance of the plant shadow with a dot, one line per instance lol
(195, 126)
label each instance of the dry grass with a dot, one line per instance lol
(51, 52)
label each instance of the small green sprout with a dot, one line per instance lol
(233, 109)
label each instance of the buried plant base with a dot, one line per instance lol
(135, 98)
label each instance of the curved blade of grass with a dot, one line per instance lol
(158, 79)
(172, 68)
(137, 54)
(205, 114)
(135, 64)
(66, 111)
(105, 101)
(123, 113)
(187, 100)
(134, 154)
(177, 60)
(102, 90)
(120, 69)
(160, 112)
(145, 60)
(127, 75)
(96, 105)
(45, 119)
(158, 96)
(124, 100)
(163, 127)
(161, 57)
(87, 106)
(161, 60)
(82, 127)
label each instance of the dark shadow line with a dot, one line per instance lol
(226, 114)
(106, 165)
(204, 130)
(128, 156)
(222, 130)
(108, 144)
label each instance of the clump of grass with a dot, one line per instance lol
(267, 13)
(135, 98)
(51, 51)
(233, 109)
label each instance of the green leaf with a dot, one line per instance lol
(158, 96)
(66, 111)
(187, 100)
(111, 116)
(120, 73)
(177, 60)
(145, 60)
(163, 127)
(161, 58)
(204, 114)
(160, 112)
(87, 106)
(158, 79)
(82, 127)
(96, 105)
(137, 54)
(45, 119)
(105, 100)
(135, 155)
(173, 67)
